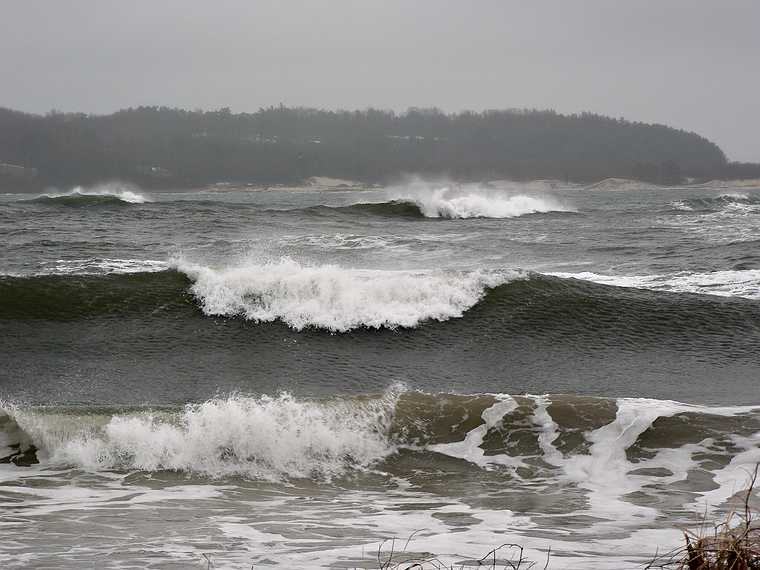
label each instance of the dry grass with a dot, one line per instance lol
(507, 556)
(731, 545)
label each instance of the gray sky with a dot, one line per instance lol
(691, 64)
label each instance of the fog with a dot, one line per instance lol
(686, 63)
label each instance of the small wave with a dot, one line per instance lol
(101, 266)
(739, 283)
(620, 184)
(335, 298)
(103, 195)
(729, 202)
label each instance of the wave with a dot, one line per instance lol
(394, 208)
(101, 266)
(607, 446)
(262, 438)
(335, 298)
(477, 202)
(83, 296)
(338, 299)
(103, 195)
(730, 283)
(620, 184)
(728, 202)
(460, 207)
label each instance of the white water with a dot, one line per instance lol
(313, 524)
(98, 266)
(740, 283)
(337, 298)
(469, 448)
(269, 438)
(476, 202)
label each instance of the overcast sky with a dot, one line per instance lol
(691, 64)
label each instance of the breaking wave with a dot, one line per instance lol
(262, 438)
(611, 448)
(103, 195)
(476, 202)
(336, 298)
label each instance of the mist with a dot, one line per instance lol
(687, 64)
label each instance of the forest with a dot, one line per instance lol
(167, 147)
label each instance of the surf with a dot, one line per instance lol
(611, 448)
(336, 298)
(102, 195)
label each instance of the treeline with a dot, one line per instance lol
(161, 146)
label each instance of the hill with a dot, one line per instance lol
(167, 147)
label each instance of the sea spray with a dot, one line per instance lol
(267, 437)
(102, 194)
(337, 298)
(476, 202)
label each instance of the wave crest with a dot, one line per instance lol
(263, 438)
(102, 195)
(279, 437)
(476, 202)
(336, 298)
(728, 202)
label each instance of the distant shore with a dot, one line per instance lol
(323, 183)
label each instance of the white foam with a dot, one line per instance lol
(735, 476)
(263, 438)
(475, 201)
(123, 192)
(605, 471)
(549, 431)
(740, 283)
(469, 448)
(98, 266)
(337, 298)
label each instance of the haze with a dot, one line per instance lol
(689, 64)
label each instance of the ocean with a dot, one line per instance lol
(335, 377)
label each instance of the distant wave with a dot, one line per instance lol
(476, 202)
(729, 202)
(103, 195)
(737, 283)
(439, 206)
(336, 298)
(392, 209)
(620, 184)
(588, 441)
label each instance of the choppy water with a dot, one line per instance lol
(291, 376)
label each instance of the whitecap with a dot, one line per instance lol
(337, 298)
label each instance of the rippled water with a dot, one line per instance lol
(292, 376)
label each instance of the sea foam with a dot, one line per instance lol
(337, 298)
(730, 283)
(476, 202)
(268, 438)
